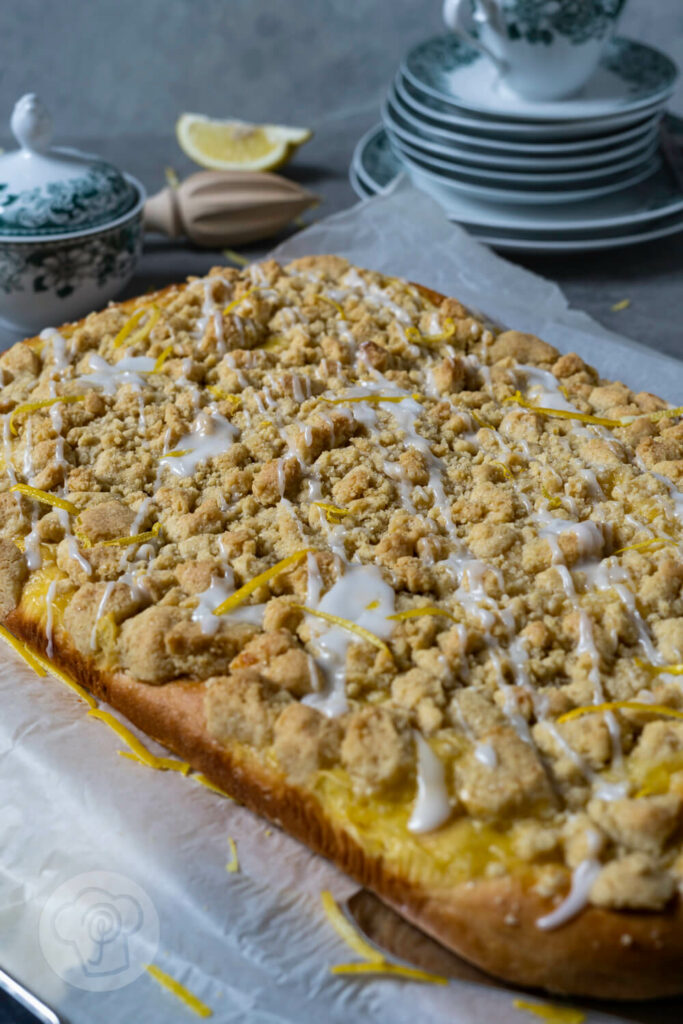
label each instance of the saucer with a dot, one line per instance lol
(536, 244)
(630, 76)
(436, 113)
(656, 197)
(533, 195)
(540, 180)
(492, 141)
(419, 144)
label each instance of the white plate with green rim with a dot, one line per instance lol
(659, 196)
(490, 140)
(629, 76)
(442, 186)
(433, 112)
(582, 177)
(540, 245)
(559, 244)
(398, 127)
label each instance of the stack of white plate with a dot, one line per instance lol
(561, 176)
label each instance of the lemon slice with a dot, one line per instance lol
(237, 145)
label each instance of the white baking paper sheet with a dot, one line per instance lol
(254, 945)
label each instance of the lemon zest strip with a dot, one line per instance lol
(42, 404)
(346, 931)
(564, 414)
(411, 973)
(251, 585)
(506, 471)
(223, 396)
(162, 764)
(45, 497)
(272, 343)
(145, 755)
(644, 544)
(161, 358)
(551, 1014)
(236, 257)
(373, 398)
(373, 604)
(351, 627)
(143, 333)
(326, 298)
(178, 453)
(663, 414)
(200, 777)
(130, 324)
(333, 513)
(23, 651)
(233, 864)
(480, 421)
(415, 613)
(620, 705)
(66, 679)
(553, 502)
(135, 538)
(179, 991)
(235, 302)
(661, 670)
(414, 334)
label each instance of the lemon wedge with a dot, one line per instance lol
(237, 145)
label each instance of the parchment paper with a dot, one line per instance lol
(254, 945)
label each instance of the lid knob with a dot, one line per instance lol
(31, 124)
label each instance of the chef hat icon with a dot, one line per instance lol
(97, 924)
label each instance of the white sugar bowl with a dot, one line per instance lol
(70, 227)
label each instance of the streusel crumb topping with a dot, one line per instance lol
(429, 570)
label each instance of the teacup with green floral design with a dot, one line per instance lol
(544, 49)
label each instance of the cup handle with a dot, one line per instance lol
(458, 17)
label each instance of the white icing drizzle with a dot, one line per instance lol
(485, 753)
(432, 806)
(100, 612)
(583, 878)
(49, 605)
(349, 597)
(60, 358)
(7, 453)
(72, 543)
(34, 559)
(111, 377)
(27, 464)
(211, 435)
(211, 311)
(315, 582)
(208, 600)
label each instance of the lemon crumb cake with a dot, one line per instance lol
(404, 583)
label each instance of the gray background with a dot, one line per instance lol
(112, 66)
(117, 74)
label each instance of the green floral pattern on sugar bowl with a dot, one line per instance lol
(98, 195)
(70, 226)
(61, 267)
(540, 21)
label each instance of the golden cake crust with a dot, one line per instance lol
(249, 728)
(490, 923)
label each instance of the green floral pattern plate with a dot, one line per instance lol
(630, 75)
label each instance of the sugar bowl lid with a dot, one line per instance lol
(45, 190)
